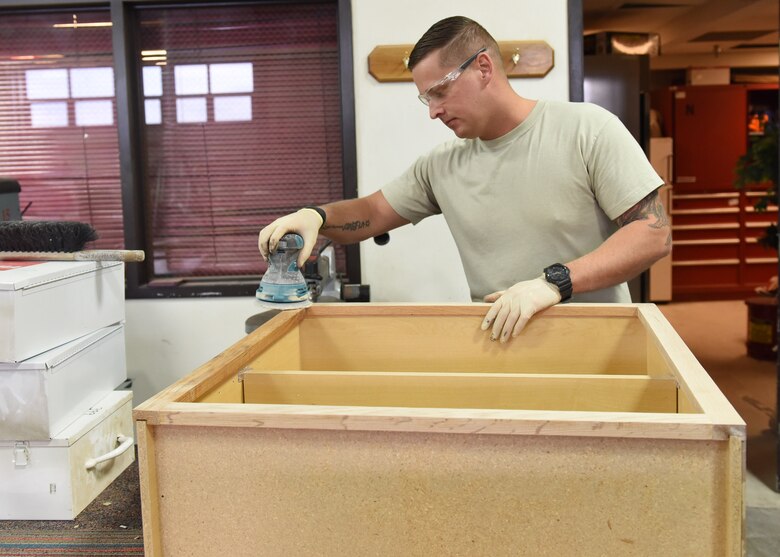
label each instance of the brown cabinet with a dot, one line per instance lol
(709, 135)
(716, 253)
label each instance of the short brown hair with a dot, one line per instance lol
(461, 36)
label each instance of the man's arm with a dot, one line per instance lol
(355, 220)
(644, 237)
(346, 222)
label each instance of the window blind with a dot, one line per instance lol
(58, 118)
(242, 125)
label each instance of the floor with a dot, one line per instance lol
(716, 334)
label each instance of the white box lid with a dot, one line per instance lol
(17, 275)
(96, 414)
(84, 423)
(57, 356)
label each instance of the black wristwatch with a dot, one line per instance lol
(558, 274)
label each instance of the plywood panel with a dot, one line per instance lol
(277, 492)
(284, 354)
(230, 390)
(598, 393)
(594, 345)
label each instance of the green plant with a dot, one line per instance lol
(759, 166)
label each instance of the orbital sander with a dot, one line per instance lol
(283, 286)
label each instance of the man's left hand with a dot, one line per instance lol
(514, 307)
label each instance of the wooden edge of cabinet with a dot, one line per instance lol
(505, 391)
(147, 475)
(443, 420)
(226, 364)
(387, 63)
(463, 310)
(693, 379)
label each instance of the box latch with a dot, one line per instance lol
(21, 454)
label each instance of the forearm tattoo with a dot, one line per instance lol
(649, 206)
(348, 226)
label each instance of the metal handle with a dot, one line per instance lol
(125, 443)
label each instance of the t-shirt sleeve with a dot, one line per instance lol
(411, 194)
(621, 175)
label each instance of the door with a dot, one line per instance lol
(709, 137)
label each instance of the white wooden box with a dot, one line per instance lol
(46, 304)
(40, 396)
(57, 479)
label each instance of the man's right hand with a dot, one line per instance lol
(306, 222)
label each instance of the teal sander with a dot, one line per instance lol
(283, 286)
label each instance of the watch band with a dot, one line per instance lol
(559, 275)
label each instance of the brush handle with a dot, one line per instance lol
(129, 256)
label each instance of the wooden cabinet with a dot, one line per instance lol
(709, 135)
(374, 429)
(716, 253)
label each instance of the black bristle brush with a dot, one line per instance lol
(55, 241)
(45, 235)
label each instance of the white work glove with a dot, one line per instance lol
(512, 308)
(306, 222)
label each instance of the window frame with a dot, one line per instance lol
(128, 98)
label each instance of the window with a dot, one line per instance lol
(244, 126)
(229, 115)
(58, 134)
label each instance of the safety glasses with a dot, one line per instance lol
(439, 90)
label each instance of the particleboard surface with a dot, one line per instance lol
(227, 491)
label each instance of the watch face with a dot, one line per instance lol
(557, 273)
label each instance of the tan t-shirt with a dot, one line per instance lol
(546, 192)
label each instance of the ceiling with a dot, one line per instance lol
(692, 27)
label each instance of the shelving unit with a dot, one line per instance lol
(715, 228)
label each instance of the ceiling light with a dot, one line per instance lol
(75, 24)
(80, 25)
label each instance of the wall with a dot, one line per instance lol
(168, 338)
(421, 263)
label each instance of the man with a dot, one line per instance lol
(546, 201)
